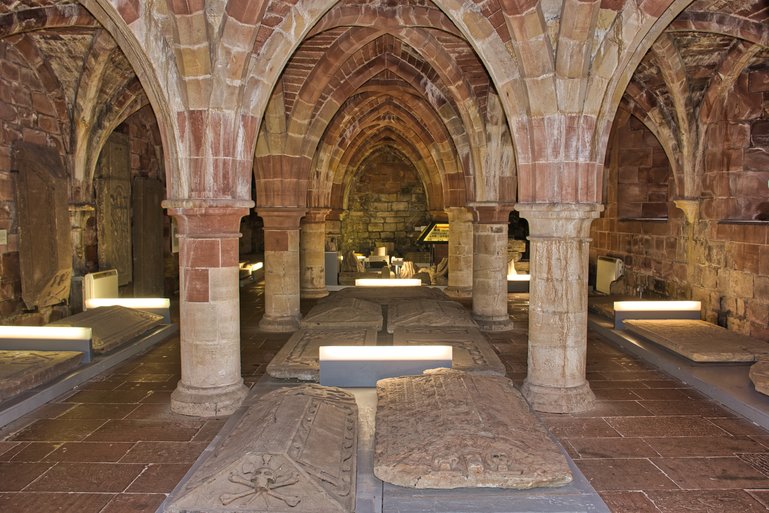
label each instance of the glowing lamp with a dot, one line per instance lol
(156, 305)
(363, 366)
(388, 282)
(46, 338)
(624, 310)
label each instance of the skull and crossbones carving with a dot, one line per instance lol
(262, 480)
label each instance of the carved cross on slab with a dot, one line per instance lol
(261, 480)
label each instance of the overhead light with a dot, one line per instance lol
(388, 282)
(624, 310)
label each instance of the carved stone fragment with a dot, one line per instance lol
(344, 313)
(420, 312)
(699, 341)
(472, 352)
(453, 429)
(292, 450)
(759, 375)
(112, 326)
(298, 358)
(24, 370)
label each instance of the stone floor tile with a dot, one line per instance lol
(99, 411)
(628, 502)
(664, 394)
(616, 409)
(146, 430)
(5, 447)
(209, 430)
(738, 426)
(718, 472)
(624, 474)
(35, 451)
(704, 446)
(612, 448)
(574, 427)
(761, 496)
(58, 430)
(53, 502)
(633, 375)
(159, 478)
(104, 452)
(108, 396)
(15, 476)
(87, 477)
(164, 452)
(617, 394)
(704, 501)
(50, 411)
(664, 426)
(158, 396)
(684, 407)
(134, 503)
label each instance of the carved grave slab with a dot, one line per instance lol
(45, 247)
(24, 370)
(112, 326)
(453, 429)
(389, 295)
(472, 352)
(344, 313)
(699, 341)
(292, 450)
(298, 358)
(424, 312)
(759, 375)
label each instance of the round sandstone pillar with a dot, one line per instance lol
(312, 257)
(209, 328)
(559, 238)
(281, 269)
(490, 269)
(460, 252)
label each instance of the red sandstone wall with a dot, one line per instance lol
(720, 260)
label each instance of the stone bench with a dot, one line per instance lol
(699, 341)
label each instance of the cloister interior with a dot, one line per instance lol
(172, 140)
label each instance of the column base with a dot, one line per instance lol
(207, 402)
(559, 399)
(459, 292)
(313, 293)
(279, 324)
(494, 323)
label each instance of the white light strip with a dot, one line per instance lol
(388, 282)
(129, 302)
(518, 277)
(45, 332)
(657, 306)
(256, 266)
(385, 353)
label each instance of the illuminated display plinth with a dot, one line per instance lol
(388, 282)
(46, 338)
(363, 366)
(624, 310)
(156, 305)
(518, 282)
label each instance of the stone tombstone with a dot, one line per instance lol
(147, 237)
(390, 295)
(344, 313)
(24, 370)
(299, 358)
(113, 208)
(421, 312)
(452, 429)
(291, 450)
(45, 245)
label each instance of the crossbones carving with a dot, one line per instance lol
(261, 481)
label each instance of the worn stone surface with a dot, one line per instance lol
(422, 312)
(24, 370)
(759, 375)
(293, 450)
(452, 429)
(472, 352)
(147, 237)
(45, 249)
(699, 341)
(390, 295)
(112, 326)
(298, 358)
(344, 313)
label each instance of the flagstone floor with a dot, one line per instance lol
(651, 445)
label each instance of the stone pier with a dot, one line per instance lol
(312, 258)
(559, 236)
(209, 326)
(460, 252)
(281, 269)
(490, 269)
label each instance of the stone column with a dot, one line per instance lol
(559, 235)
(281, 268)
(460, 252)
(208, 233)
(490, 269)
(312, 258)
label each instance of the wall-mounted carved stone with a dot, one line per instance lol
(420, 312)
(147, 237)
(298, 358)
(344, 313)
(45, 247)
(292, 450)
(453, 429)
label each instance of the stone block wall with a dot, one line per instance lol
(385, 203)
(723, 259)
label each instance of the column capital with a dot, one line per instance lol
(491, 213)
(211, 218)
(459, 214)
(559, 220)
(279, 218)
(316, 215)
(334, 214)
(690, 208)
(439, 216)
